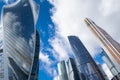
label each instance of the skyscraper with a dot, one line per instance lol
(20, 44)
(111, 47)
(73, 72)
(102, 71)
(2, 59)
(35, 64)
(109, 63)
(62, 70)
(68, 70)
(87, 65)
(107, 71)
(1, 64)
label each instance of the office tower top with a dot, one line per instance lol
(20, 39)
(87, 65)
(21, 8)
(109, 44)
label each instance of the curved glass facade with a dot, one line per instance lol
(19, 21)
(86, 65)
(1, 56)
(1, 65)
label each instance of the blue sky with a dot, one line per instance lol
(46, 32)
(61, 18)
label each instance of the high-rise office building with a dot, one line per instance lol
(102, 71)
(21, 41)
(87, 65)
(2, 68)
(107, 71)
(111, 47)
(72, 70)
(68, 70)
(109, 63)
(62, 71)
(35, 64)
(1, 64)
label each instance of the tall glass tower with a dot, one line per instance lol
(109, 63)
(1, 64)
(111, 47)
(20, 43)
(73, 72)
(68, 70)
(86, 64)
(102, 71)
(35, 64)
(62, 70)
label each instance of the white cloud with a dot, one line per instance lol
(47, 64)
(108, 8)
(68, 16)
(56, 78)
(45, 58)
(61, 49)
(107, 71)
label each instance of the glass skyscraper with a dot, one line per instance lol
(73, 72)
(102, 71)
(68, 70)
(111, 47)
(86, 64)
(21, 40)
(62, 71)
(109, 63)
(1, 64)
(35, 64)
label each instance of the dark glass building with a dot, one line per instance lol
(21, 40)
(86, 64)
(35, 65)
